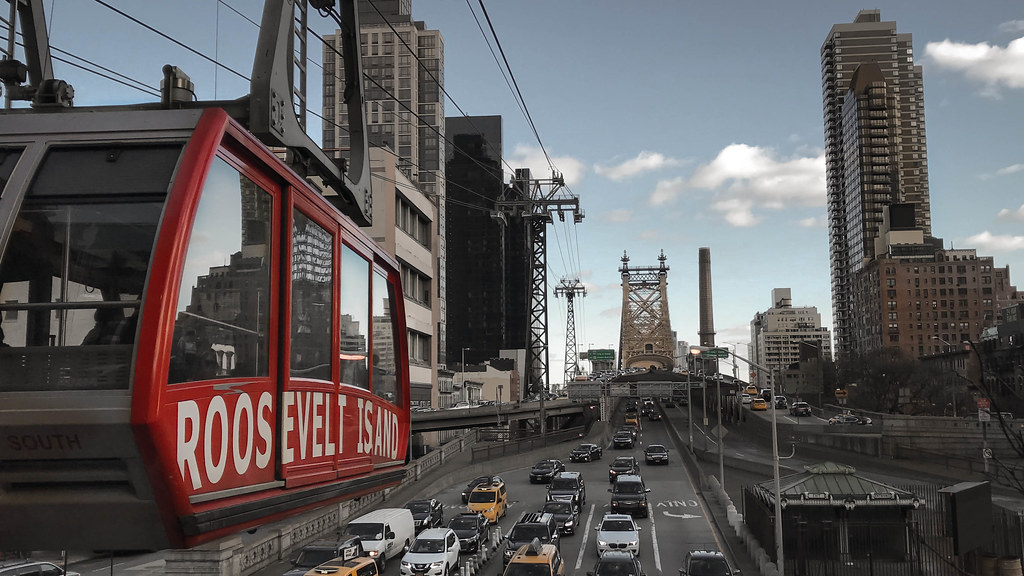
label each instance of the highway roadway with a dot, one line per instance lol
(677, 523)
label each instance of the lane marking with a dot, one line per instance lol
(684, 515)
(654, 539)
(586, 534)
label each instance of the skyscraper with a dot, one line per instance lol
(403, 76)
(488, 264)
(894, 285)
(875, 152)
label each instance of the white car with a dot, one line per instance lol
(618, 532)
(745, 398)
(435, 552)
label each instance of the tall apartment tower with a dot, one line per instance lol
(403, 67)
(875, 152)
(477, 261)
(777, 334)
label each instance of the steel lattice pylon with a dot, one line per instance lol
(645, 336)
(536, 206)
(569, 289)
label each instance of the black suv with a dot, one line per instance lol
(426, 513)
(568, 486)
(545, 470)
(471, 528)
(317, 552)
(566, 514)
(531, 525)
(585, 453)
(617, 563)
(629, 496)
(701, 562)
(623, 465)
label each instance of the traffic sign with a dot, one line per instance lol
(715, 353)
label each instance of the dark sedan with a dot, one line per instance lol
(476, 482)
(623, 465)
(656, 454)
(566, 514)
(471, 529)
(586, 453)
(544, 470)
(623, 440)
(426, 513)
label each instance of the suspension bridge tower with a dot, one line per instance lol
(645, 336)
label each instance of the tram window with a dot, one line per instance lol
(222, 321)
(384, 361)
(312, 275)
(75, 265)
(8, 159)
(355, 318)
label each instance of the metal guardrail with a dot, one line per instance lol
(498, 450)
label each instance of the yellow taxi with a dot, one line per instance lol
(632, 418)
(758, 404)
(361, 566)
(752, 390)
(490, 500)
(536, 559)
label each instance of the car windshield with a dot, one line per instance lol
(628, 487)
(483, 497)
(463, 523)
(547, 464)
(709, 567)
(526, 533)
(532, 569)
(310, 558)
(419, 507)
(367, 531)
(617, 526)
(619, 463)
(430, 546)
(656, 448)
(615, 568)
(563, 484)
(558, 507)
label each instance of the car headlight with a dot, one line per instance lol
(373, 553)
(614, 504)
(568, 523)
(634, 542)
(406, 565)
(602, 543)
(437, 564)
(509, 553)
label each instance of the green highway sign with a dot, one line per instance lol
(601, 355)
(715, 353)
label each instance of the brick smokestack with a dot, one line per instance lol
(707, 310)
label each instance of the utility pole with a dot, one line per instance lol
(569, 289)
(535, 201)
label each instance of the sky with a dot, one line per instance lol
(678, 124)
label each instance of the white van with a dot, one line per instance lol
(385, 533)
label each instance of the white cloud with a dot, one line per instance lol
(994, 66)
(1007, 214)
(619, 216)
(987, 242)
(665, 191)
(745, 178)
(1010, 169)
(533, 158)
(814, 222)
(1012, 26)
(644, 162)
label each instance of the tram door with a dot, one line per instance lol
(220, 383)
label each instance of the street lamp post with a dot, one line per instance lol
(721, 431)
(464, 394)
(779, 555)
(689, 388)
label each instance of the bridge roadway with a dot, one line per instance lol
(679, 520)
(460, 418)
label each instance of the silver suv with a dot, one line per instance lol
(435, 552)
(33, 568)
